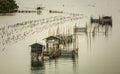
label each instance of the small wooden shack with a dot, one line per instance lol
(52, 46)
(39, 10)
(37, 51)
(92, 20)
(104, 20)
(36, 48)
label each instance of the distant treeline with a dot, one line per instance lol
(8, 6)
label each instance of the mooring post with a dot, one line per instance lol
(42, 54)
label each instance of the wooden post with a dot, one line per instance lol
(75, 44)
(42, 54)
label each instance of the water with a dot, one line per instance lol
(97, 55)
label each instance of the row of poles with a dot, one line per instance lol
(19, 31)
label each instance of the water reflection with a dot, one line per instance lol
(75, 65)
(99, 29)
(101, 26)
(57, 65)
(37, 67)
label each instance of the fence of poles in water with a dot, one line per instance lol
(19, 31)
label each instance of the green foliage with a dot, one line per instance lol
(8, 6)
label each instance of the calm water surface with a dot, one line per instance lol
(97, 55)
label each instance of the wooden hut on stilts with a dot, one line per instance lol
(37, 54)
(52, 46)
